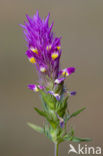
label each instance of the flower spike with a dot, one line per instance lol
(43, 47)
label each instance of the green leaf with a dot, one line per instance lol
(76, 139)
(45, 107)
(74, 114)
(52, 123)
(47, 131)
(78, 112)
(69, 136)
(62, 107)
(46, 115)
(35, 127)
(71, 133)
(40, 112)
(48, 100)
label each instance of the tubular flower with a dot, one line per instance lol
(44, 52)
(35, 88)
(67, 71)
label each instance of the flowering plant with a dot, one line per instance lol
(44, 52)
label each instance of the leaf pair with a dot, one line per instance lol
(68, 137)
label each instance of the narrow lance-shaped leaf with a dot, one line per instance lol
(76, 139)
(78, 112)
(75, 113)
(62, 106)
(71, 137)
(42, 113)
(48, 99)
(46, 131)
(35, 127)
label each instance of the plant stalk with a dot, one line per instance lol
(56, 145)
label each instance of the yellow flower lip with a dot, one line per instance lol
(36, 89)
(54, 55)
(34, 50)
(65, 73)
(32, 60)
(58, 47)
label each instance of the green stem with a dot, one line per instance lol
(56, 149)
